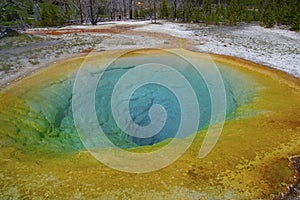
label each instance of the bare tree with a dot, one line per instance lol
(80, 11)
(89, 11)
(175, 9)
(130, 9)
(93, 14)
(154, 11)
(125, 9)
(112, 9)
(183, 9)
(120, 7)
(36, 10)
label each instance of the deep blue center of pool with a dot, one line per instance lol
(148, 95)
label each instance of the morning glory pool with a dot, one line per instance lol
(38, 114)
(42, 154)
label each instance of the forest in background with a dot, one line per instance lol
(45, 13)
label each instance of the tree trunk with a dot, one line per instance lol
(36, 11)
(80, 12)
(175, 9)
(133, 9)
(66, 9)
(183, 10)
(124, 9)
(155, 11)
(111, 7)
(199, 4)
(130, 10)
(93, 17)
(119, 8)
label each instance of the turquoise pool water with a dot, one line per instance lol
(41, 116)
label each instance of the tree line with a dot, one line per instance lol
(231, 12)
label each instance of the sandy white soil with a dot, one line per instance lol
(276, 48)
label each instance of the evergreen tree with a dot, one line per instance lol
(295, 24)
(233, 12)
(189, 11)
(206, 8)
(295, 19)
(283, 11)
(13, 12)
(196, 15)
(269, 14)
(136, 13)
(220, 14)
(164, 11)
(179, 12)
(51, 15)
(56, 12)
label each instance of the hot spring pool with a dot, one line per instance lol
(41, 147)
(39, 112)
